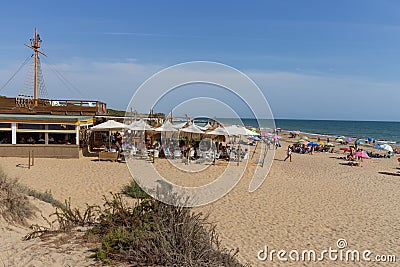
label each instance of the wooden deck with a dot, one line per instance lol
(55, 107)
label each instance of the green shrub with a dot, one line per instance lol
(134, 190)
(153, 233)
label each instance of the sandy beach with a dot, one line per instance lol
(308, 203)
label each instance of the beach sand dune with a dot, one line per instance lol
(57, 251)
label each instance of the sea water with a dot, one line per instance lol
(379, 130)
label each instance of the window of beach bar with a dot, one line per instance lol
(56, 133)
(5, 133)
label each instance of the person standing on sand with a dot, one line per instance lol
(289, 153)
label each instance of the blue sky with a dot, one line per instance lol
(312, 59)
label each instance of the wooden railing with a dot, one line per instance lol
(44, 106)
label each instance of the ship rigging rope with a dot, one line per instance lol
(12, 77)
(66, 82)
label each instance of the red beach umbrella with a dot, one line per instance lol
(345, 149)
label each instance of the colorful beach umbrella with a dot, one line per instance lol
(321, 143)
(348, 139)
(359, 143)
(345, 149)
(339, 140)
(329, 144)
(313, 144)
(361, 154)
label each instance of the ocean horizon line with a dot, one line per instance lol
(308, 119)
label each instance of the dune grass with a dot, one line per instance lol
(14, 204)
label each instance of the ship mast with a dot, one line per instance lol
(35, 45)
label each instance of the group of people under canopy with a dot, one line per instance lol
(183, 140)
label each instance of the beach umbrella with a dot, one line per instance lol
(370, 139)
(359, 143)
(313, 144)
(304, 137)
(276, 137)
(345, 149)
(179, 125)
(339, 140)
(109, 125)
(304, 143)
(205, 127)
(386, 147)
(361, 154)
(301, 140)
(377, 147)
(329, 144)
(166, 127)
(239, 130)
(296, 132)
(192, 128)
(348, 139)
(140, 126)
(249, 132)
(218, 131)
(341, 137)
(321, 143)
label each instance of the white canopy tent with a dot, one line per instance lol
(140, 125)
(236, 130)
(179, 125)
(166, 127)
(109, 125)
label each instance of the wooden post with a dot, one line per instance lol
(29, 160)
(33, 158)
